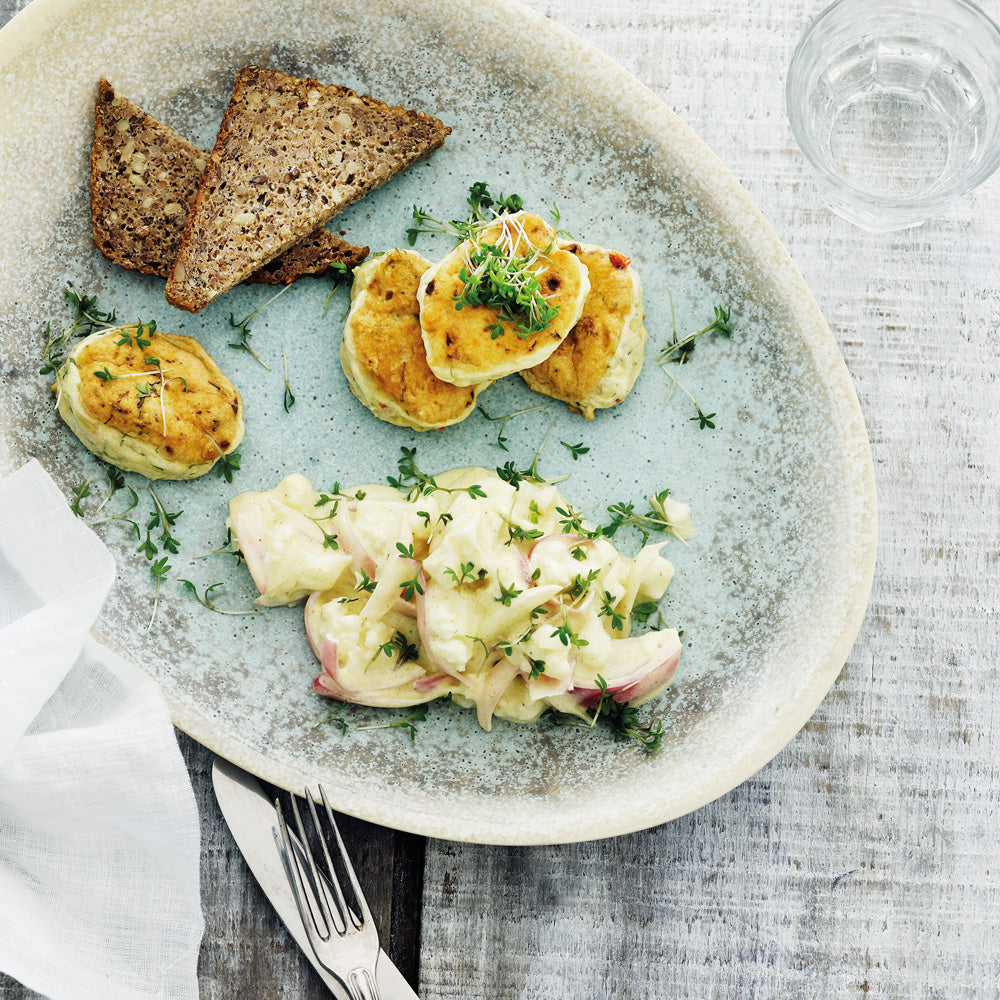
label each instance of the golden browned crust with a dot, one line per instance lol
(386, 348)
(572, 372)
(289, 155)
(143, 181)
(200, 407)
(460, 346)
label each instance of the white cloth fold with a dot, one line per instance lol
(99, 835)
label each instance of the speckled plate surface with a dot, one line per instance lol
(770, 593)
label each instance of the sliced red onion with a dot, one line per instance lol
(350, 540)
(247, 523)
(500, 674)
(640, 683)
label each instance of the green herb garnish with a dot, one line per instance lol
(400, 647)
(206, 600)
(678, 351)
(507, 594)
(576, 450)
(88, 319)
(407, 723)
(289, 399)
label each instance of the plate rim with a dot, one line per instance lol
(718, 182)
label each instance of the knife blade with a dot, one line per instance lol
(249, 813)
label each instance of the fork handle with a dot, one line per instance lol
(362, 985)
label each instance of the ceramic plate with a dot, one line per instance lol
(771, 591)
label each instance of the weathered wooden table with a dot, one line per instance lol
(863, 860)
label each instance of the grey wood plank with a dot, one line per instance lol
(862, 861)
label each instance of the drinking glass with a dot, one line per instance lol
(896, 104)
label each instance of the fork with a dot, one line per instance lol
(342, 936)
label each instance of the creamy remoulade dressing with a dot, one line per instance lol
(475, 589)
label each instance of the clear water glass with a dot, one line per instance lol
(896, 104)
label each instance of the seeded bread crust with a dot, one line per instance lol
(289, 155)
(143, 182)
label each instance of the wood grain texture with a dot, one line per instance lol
(862, 862)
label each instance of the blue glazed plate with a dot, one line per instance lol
(770, 593)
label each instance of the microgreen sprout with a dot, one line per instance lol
(507, 594)
(408, 723)
(207, 602)
(88, 319)
(408, 589)
(565, 634)
(502, 267)
(678, 351)
(537, 667)
(159, 570)
(608, 603)
(506, 276)
(332, 717)
(289, 398)
(140, 338)
(242, 328)
(576, 450)
(401, 648)
(483, 208)
(581, 584)
(514, 476)
(417, 483)
(517, 533)
(655, 519)
(645, 611)
(619, 719)
(229, 462)
(466, 572)
(341, 272)
(81, 492)
(160, 518)
(504, 418)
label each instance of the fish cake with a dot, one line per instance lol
(149, 402)
(464, 342)
(382, 350)
(597, 364)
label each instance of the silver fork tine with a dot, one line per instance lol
(295, 869)
(319, 890)
(353, 955)
(359, 896)
(343, 910)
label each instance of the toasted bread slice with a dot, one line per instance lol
(143, 181)
(289, 155)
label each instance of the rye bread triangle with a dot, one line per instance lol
(289, 155)
(143, 182)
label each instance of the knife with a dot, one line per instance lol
(250, 816)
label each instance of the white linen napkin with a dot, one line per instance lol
(99, 836)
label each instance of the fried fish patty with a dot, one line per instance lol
(382, 350)
(149, 402)
(597, 364)
(461, 339)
